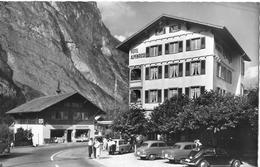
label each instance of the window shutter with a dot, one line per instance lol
(180, 69)
(167, 48)
(203, 68)
(202, 89)
(166, 67)
(146, 96)
(179, 26)
(165, 94)
(147, 52)
(187, 69)
(179, 91)
(217, 70)
(159, 95)
(187, 91)
(159, 49)
(147, 73)
(230, 77)
(164, 30)
(187, 45)
(203, 43)
(159, 72)
(180, 46)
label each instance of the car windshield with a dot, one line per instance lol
(176, 146)
(144, 145)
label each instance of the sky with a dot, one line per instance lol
(125, 18)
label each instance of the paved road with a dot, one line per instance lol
(48, 156)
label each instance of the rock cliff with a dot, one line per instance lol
(43, 43)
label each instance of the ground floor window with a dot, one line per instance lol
(169, 93)
(153, 96)
(135, 96)
(194, 91)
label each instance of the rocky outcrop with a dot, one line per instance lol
(43, 43)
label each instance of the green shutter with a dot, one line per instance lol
(159, 50)
(146, 96)
(165, 94)
(187, 91)
(187, 69)
(179, 91)
(166, 67)
(203, 43)
(147, 52)
(180, 46)
(159, 72)
(147, 70)
(180, 69)
(203, 67)
(167, 48)
(159, 95)
(187, 45)
(202, 89)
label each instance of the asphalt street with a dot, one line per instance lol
(48, 156)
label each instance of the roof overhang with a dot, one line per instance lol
(130, 42)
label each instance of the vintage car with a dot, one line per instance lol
(121, 146)
(151, 149)
(179, 151)
(205, 157)
(4, 148)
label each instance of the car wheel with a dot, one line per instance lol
(203, 163)
(151, 157)
(236, 163)
(172, 161)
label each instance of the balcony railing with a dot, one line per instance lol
(27, 121)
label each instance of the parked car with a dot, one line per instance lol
(151, 149)
(205, 157)
(4, 148)
(122, 146)
(179, 151)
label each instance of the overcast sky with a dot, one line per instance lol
(241, 19)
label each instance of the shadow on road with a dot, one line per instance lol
(13, 155)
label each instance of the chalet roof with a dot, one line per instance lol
(220, 32)
(41, 103)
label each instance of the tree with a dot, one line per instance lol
(131, 122)
(163, 118)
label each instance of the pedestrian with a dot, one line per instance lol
(97, 145)
(104, 143)
(90, 147)
(197, 143)
(94, 148)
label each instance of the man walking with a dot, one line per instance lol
(90, 147)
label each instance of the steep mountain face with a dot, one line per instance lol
(43, 43)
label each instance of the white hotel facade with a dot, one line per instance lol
(173, 55)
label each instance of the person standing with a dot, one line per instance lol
(98, 148)
(94, 148)
(90, 147)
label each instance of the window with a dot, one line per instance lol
(160, 31)
(195, 44)
(135, 50)
(188, 147)
(162, 145)
(195, 67)
(174, 47)
(173, 70)
(174, 28)
(60, 115)
(169, 93)
(154, 145)
(154, 72)
(224, 73)
(153, 96)
(80, 116)
(135, 96)
(194, 91)
(135, 74)
(155, 50)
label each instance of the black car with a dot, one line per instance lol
(205, 157)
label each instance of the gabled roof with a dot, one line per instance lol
(218, 31)
(41, 103)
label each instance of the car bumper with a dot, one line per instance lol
(139, 154)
